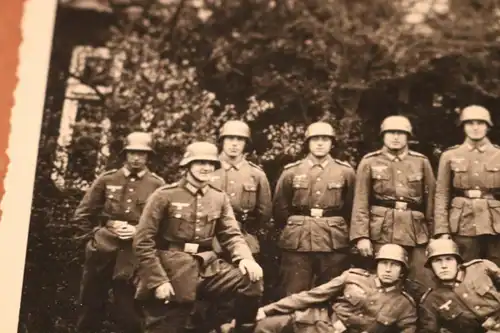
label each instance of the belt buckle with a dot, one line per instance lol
(401, 205)
(474, 194)
(191, 248)
(316, 212)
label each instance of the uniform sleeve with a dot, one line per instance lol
(229, 234)
(306, 299)
(264, 202)
(428, 321)
(144, 244)
(283, 198)
(350, 176)
(430, 191)
(442, 196)
(361, 207)
(407, 322)
(493, 272)
(92, 204)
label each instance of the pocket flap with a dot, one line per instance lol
(493, 203)
(213, 215)
(459, 165)
(493, 167)
(385, 319)
(415, 177)
(381, 174)
(295, 220)
(335, 221)
(250, 187)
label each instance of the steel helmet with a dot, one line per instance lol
(235, 128)
(320, 128)
(139, 141)
(393, 252)
(200, 151)
(396, 123)
(439, 247)
(475, 112)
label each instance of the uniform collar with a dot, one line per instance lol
(193, 189)
(480, 146)
(381, 287)
(228, 165)
(322, 165)
(392, 157)
(140, 174)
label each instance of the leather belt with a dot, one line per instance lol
(316, 212)
(398, 205)
(192, 248)
(477, 194)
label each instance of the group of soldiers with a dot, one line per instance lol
(169, 254)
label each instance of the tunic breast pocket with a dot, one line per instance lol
(460, 174)
(488, 295)
(415, 181)
(334, 193)
(207, 226)
(355, 295)
(380, 180)
(249, 196)
(300, 191)
(180, 224)
(113, 200)
(493, 175)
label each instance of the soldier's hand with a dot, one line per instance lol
(365, 247)
(260, 314)
(164, 292)
(126, 232)
(251, 268)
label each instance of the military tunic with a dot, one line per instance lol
(115, 195)
(250, 195)
(312, 203)
(468, 199)
(466, 303)
(173, 244)
(355, 300)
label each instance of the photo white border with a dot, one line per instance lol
(37, 26)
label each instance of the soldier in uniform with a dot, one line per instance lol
(393, 201)
(468, 190)
(356, 301)
(244, 182)
(177, 263)
(466, 299)
(312, 204)
(113, 205)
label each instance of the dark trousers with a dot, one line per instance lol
(479, 247)
(301, 271)
(97, 281)
(228, 283)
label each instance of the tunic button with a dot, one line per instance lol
(197, 229)
(197, 221)
(132, 179)
(197, 237)
(233, 194)
(127, 211)
(318, 179)
(465, 295)
(400, 184)
(178, 216)
(231, 182)
(477, 307)
(131, 190)
(361, 315)
(198, 214)
(110, 196)
(477, 187)
(318, 192)
(476, 174)
(457, 169)
(129, 200)
(399, 171)
(378, 177)
(476, 162)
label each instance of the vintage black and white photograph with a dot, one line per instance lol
(267, 166)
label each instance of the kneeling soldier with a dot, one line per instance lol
(466, 299)
(359, 302)
(174, 247)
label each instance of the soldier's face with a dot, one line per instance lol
(388, 271)
(395, 140)
(320, 146)
(137, 160)
(445, 267)
(233, 146)
(475, 129)
(201, 170)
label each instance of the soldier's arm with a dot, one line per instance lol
(407, 322)
(264, 200)
(144, 241)
(229, 234)
(361, 207)
(493, 272)
(92, 204)
(429, 193)
(442, 196)
(428, 320)
(283, 198)
(305, 299)
(350, 176)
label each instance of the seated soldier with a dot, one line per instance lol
(359, 302)
(466, 297)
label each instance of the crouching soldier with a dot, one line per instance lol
(113, 204)
(173, 244)
(356, 301)
(466, 298)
